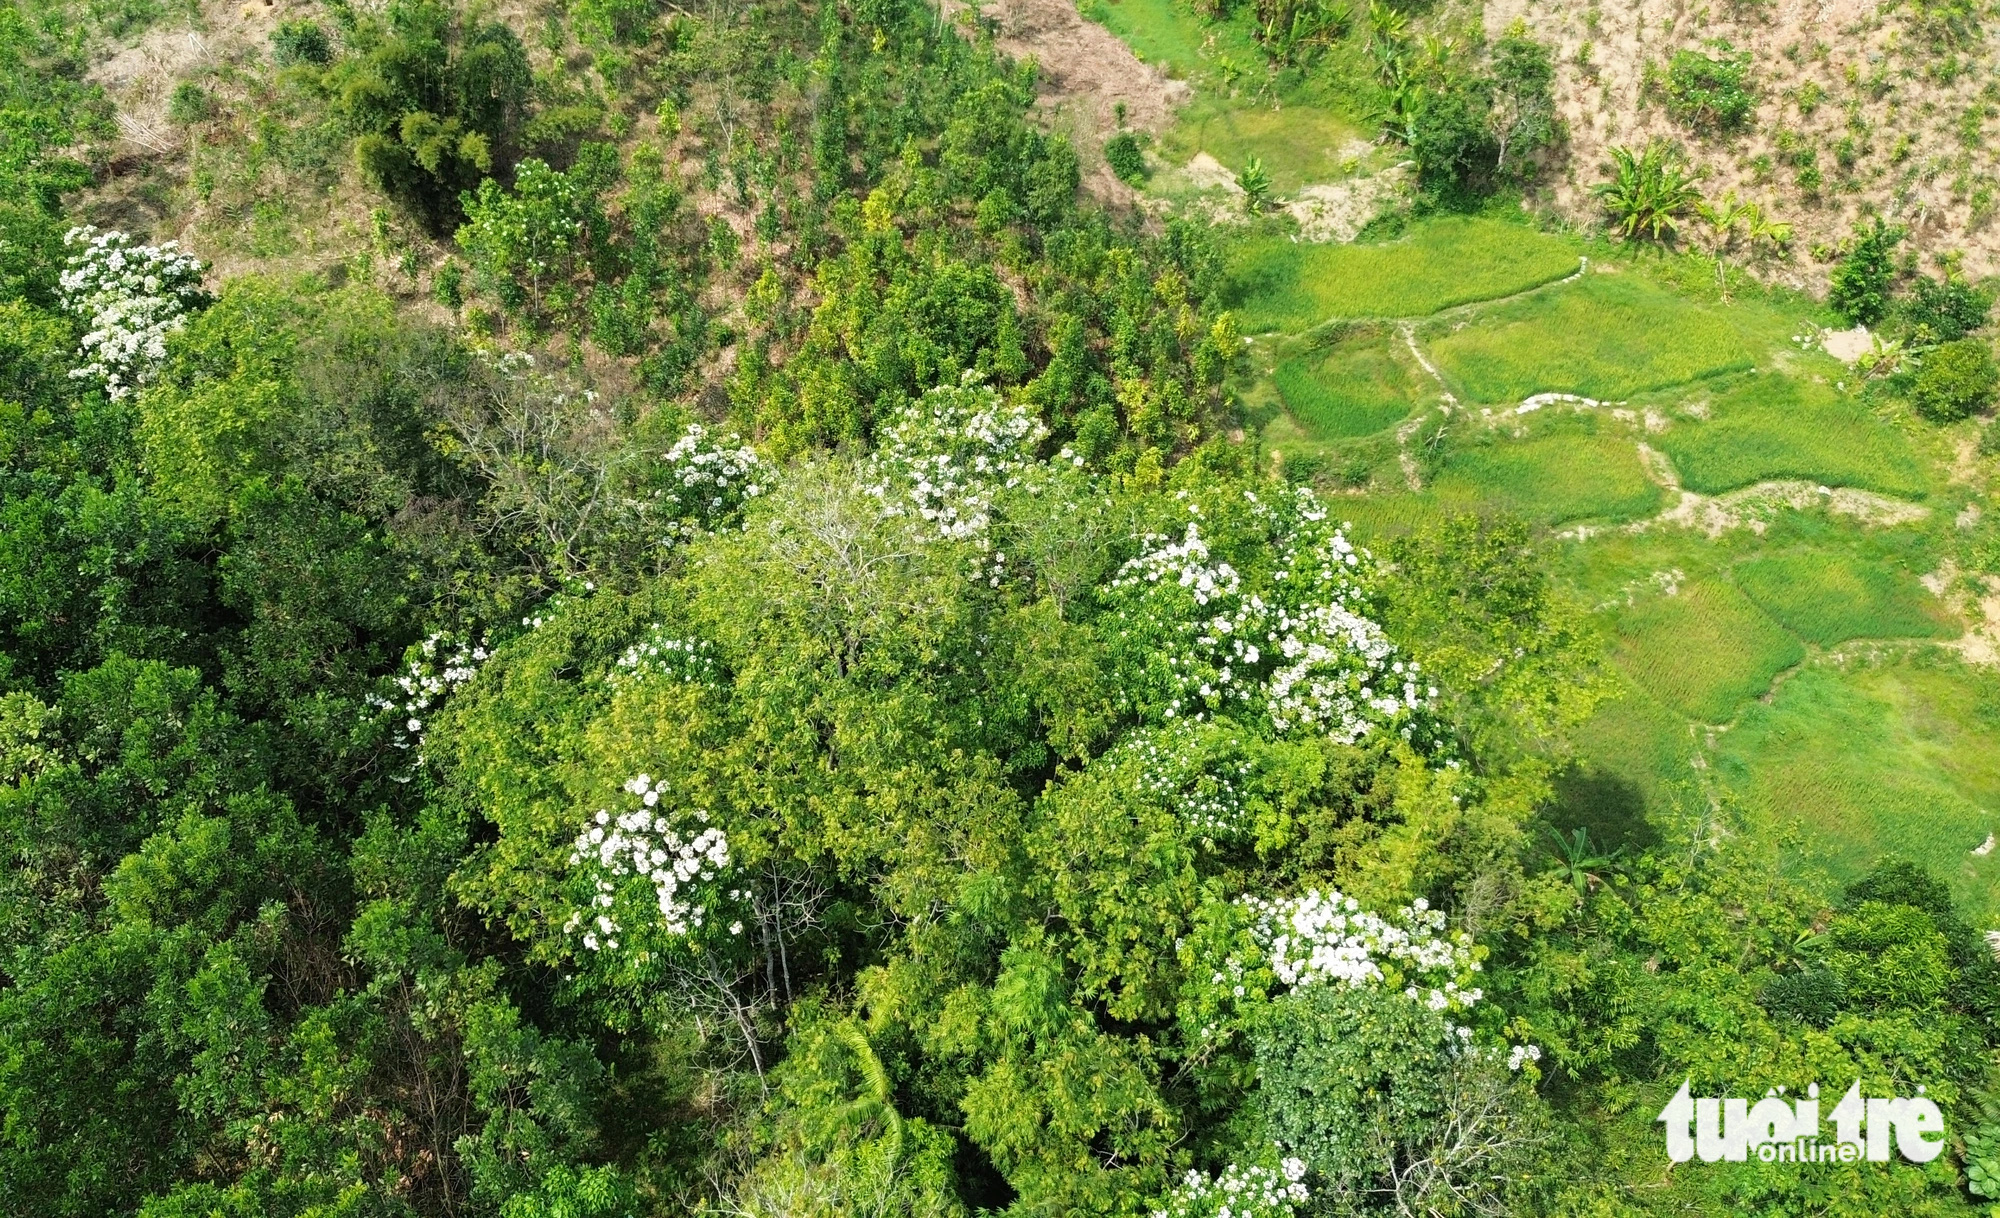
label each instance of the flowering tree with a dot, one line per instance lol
(1296, 646)
(703, 483)
(432, 671)
(945, 456)
(131, 297)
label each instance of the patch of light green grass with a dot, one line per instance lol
(1604, 336)
(1279, 284)
(1901, 759)
(1356, 388)
(1772, 426)
(1172, 36)
(1298, 123)
(1298, 145)
(1829, 598)
(1569, 467)
(1703, 651)
(1632, 750)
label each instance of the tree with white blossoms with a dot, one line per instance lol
(1365, 1072)
(1296, 645)
(1240, 1192)
(702, 484)
(1195, 771)
(432, 671)
(945, 456)
(666, 655)
(658, 897)
(131, 297)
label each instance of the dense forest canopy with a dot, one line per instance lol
(785, 690)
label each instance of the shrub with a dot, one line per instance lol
(1256, 184)
(1451, 138)
(1955, 380)
(1860, 286)
(1944, 310)
(1649, 192)
(1711, 93)
(296, 42)
(1121, 152)
(1813, 997)
(189, 103)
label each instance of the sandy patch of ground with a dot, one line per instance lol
(139, 79)
(1980, 644)
(1336, 211)
(1847, 345)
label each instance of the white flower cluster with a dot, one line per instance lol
(1341, 674)
(1240, 1192)
(133, 297)
(1315, 939)
(707, 483)
(1207, 796)
(676, 859)
(1521, 1055)
(1184, 563)
(440, 665)
(1303, 650)
(948, 454)
(660, 654)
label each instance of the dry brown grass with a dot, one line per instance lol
(1878, 83)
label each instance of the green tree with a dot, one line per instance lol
(438, 100)
(1955, 380)
(1861, 281)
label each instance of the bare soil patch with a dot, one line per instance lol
(1896, 125)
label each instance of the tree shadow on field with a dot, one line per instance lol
(1611, 809)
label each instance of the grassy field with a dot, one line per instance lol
(1604, 336)
(1703, 650)
(1280, 284)
(1902, 758)
(1356, 388)
(1569, 468)
(1771, 426)
(1828, 598)
(1239, 110)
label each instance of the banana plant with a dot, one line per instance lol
(1649, 193)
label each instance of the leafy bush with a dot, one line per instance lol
(188, 104)
(1814, 996)
(1451, 137)
(1944, 310)
(1256, 184)
(1121, 152)
(1859, 290)
(1711, 93)
(296, 42)
(1524, 108)
(1955, 380)
(1649, 193)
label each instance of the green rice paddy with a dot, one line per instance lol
(1356, 388)
(1772, 426)
(1280, 284)
(1604, 336)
